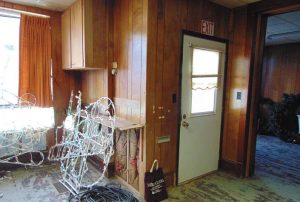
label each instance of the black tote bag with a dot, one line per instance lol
(155, 186)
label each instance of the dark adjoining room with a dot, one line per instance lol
(278, 137)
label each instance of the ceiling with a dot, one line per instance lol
(283, 28)
(233, 3)
(57, 5)
(277, 26)
(60, 5)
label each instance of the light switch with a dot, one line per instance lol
(239, 95)
(174, 99)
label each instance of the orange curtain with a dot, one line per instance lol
(35, 59)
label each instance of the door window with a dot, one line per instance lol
(205, 76)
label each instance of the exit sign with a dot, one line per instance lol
(207, 27)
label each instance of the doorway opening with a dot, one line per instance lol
(277, 153)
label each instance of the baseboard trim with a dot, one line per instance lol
(197, 178)
(231, 166)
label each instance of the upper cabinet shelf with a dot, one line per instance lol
(85, 35)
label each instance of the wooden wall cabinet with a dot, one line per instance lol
(85, 35)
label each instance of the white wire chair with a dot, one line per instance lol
(86, 133)
(18, 137)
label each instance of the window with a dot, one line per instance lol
(9, 52)
(26, 35)
(205, 74)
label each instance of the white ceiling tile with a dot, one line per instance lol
(291, 16)
(284, 23)
(58, 5)
(61, 5)
(284, 28)
(274, 20)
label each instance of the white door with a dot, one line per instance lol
(201, 107)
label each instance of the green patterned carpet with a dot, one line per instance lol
(39, 184)
(276, 179)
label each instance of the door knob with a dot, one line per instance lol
(185, 124)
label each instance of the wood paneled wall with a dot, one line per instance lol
(237, 80)
(63, 82)
(130, 46)
(167, 20)
(244, 74)
(127, 46)
(99, 83)
(94, 84)
(130, 52)
(281, 70)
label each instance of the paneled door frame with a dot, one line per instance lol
(257, 15)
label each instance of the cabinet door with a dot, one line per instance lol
(66, 39)
(77, 35)
(96, 33)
